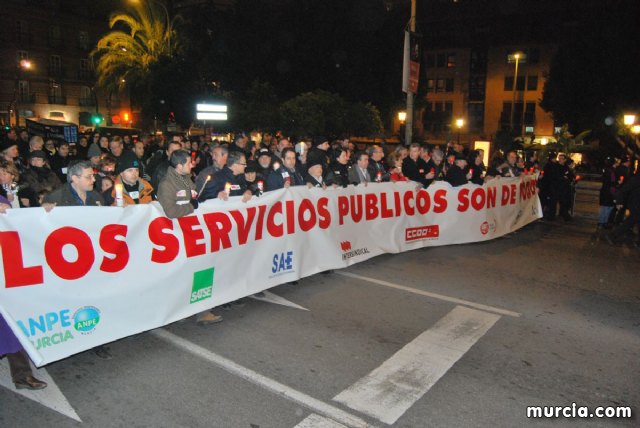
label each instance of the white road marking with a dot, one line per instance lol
(269, 297)
(301, 398)
(391, 389)
(317, 421)
(50, 397)
(433, 295)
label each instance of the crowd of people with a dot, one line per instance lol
(180, 174)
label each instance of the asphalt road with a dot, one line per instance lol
(466, 335)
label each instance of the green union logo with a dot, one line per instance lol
(202, 285)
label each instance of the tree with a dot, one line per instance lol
(140, 39)
(593, 75)
(324, 113)
(258, 109)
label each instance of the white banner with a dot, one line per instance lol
(78, 277)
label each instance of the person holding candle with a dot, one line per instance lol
(477, 168)
(338, 173)
(219, 155)
(128, 186)
(377, 170)
(286, 175)
(229, 181)
(415, 168)
(456, 175)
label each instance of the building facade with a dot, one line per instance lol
(46, 70)
(479, 88)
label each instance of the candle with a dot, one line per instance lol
(204, 184)
(379, 177)
(227, 188)
(276, 166)
(119, 200)
(261, 186)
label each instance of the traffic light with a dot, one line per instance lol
(96, 119)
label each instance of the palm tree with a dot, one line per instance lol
(139, 40)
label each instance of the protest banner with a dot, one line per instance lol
(78, 277)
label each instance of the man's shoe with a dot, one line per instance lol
(207, 317)
(102, 352)
(260, 294)
(30, 382)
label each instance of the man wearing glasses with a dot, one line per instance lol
(229, 181)
(78, 191)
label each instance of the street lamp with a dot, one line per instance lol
(459, 125)
(629, 119)
(515, 57)
(402, 116)
(23, 65)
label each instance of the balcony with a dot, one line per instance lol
(57, 99)
(86, 102)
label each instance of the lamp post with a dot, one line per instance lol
(516, 57)
(408, 131)
(459, 125)
(629, 121)
(23, 65)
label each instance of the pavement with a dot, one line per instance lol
(464, 335)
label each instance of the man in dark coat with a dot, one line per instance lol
(338, 173)
(78, 191)
(415, 168)
(629, 194)
(229, 181)
(457, 174)
(286, 175)
(320, 152)
(377, 171)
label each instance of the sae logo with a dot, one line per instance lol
(202, 285)
(282, 263)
